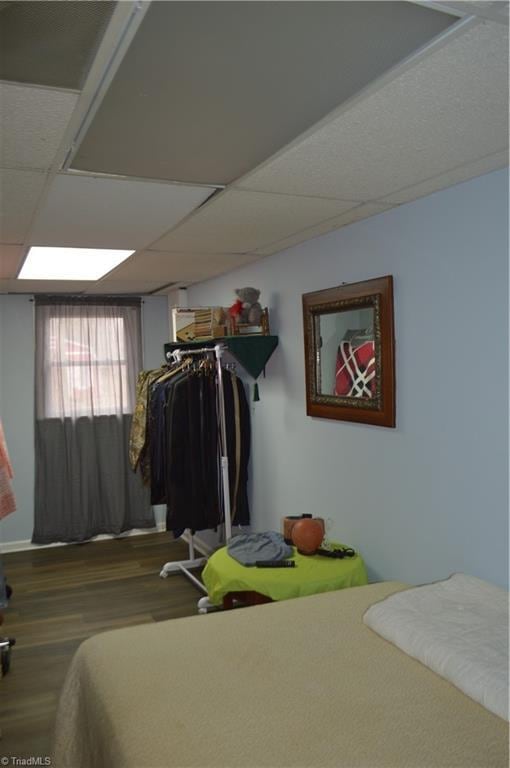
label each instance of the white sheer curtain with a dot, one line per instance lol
(87, 357)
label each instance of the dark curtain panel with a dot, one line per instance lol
(87, 357)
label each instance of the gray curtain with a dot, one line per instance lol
(88, 354)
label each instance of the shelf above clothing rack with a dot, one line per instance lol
(250, 351)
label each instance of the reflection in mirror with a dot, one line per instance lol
(346, 353)
(349, 352)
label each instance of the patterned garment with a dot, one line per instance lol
(139, 423)
(7, 500)
(139, 439)
(355, 370)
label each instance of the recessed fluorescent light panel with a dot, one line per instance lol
(47, 263)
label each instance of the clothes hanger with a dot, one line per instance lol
(174, 369)
(357, 337)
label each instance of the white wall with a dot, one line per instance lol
(431, 496)
(17, 395)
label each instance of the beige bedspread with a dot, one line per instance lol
(301, 683)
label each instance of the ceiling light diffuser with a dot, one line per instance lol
(48, 263)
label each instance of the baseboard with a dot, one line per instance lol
(24, 544)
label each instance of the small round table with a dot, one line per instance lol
(227, 580)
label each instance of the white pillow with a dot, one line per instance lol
(458, 628)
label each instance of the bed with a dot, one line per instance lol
(301, 683)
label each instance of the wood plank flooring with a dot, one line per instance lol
(61, 596)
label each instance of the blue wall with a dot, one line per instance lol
(431, 496)
(17, 395)
(420, 501)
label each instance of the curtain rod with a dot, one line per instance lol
(132, 301)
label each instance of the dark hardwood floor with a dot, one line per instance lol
(61, 596)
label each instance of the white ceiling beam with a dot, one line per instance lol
(123, 25)
(482, 10)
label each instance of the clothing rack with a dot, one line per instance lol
(195, 562)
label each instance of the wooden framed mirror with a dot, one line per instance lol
(350, 352)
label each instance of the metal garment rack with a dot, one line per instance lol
(195, 562)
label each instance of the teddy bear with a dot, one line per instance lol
(247, 307)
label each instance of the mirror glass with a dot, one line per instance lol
(346, 353)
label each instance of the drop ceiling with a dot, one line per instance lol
(48, 43)
(215, 88)
(208, 135)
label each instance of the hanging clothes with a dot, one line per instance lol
(7, 503)
(193, 436)
(192, 482)
(177, 445)
(139, 441)
(157, 456)
(7, 500)
(138, 424)
(237, 416)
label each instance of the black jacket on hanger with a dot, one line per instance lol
(193, 480)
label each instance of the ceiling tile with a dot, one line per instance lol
(207, 90)
(196, 270)
(98, 212)
(238, 222)
(32, 124)
(42, 286)
(455, 176)
(177, 267)
(19, 195)
(356, 214)
(496, 10)
(51, 43)
(139, 287)
(447, 110)
(10, 260)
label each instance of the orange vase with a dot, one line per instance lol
(307, 536)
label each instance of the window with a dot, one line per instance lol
(87, 357)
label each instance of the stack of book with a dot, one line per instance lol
(203, 323)
(200, 324)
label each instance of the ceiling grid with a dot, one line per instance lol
(423, 118)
